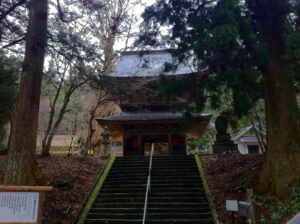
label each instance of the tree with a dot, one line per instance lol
(13, 20)
(250, 47)
(64, 86)
(22, 167)
(101, 99)
(111, 24)
(72, 30)
(9, 69)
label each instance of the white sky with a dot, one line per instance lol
(138, 10)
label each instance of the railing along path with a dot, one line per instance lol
(148, 189)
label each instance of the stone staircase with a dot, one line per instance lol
(177, 194)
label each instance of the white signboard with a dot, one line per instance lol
(19, 207)
(295, 219)
(117, 148)
(232, 205)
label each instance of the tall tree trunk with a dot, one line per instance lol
(49, 137)
(45, 147)
(22, 166)
(282, 159)
(102, 100)
(74, 132)
(91, 131)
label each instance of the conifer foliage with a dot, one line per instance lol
(249, 48)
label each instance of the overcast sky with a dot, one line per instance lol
(138, 10)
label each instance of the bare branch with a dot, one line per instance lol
(13, 43)
(11, 9)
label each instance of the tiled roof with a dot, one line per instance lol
(151, 63)
(125, 116)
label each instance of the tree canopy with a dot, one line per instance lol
(9, 69)
(224, 36)
(248, 48)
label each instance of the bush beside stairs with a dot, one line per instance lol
(177, 193)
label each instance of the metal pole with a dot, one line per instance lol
(148, 189)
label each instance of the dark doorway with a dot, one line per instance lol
(161, 146)
(132, 147)
(178, 145)
(252, 149)
(139, 145)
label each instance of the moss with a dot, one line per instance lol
(280, 210)
(206, 189)
(95, 192)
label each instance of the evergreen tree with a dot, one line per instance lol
(250, 48)
(22, 166)
(9, 69)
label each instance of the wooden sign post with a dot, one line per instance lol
(22, 204)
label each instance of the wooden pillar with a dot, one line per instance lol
(125, 138)
(141, 147)
(170, 143)
(185, 143)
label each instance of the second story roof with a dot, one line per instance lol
(151, 63)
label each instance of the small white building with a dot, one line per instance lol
(247, 141)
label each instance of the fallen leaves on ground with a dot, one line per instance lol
(228, 176)
(73, 178)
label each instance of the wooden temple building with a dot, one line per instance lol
(146, 117)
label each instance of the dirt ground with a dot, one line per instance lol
(228, 177)
(73, 178)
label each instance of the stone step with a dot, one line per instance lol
(177, 176)
(178, 205)
(131, 165)
(176, 185)
(180, 163)
(115, 203)
(137, 178)
(168, 158)
(184, 157)
(154, 221)
(177, 195)
(129, 161)
(174, 178)
(131, 157)
(135, 170)
(115, 215)
(113, 221)
(124, 175)
(124, 190)
(125, 185)
(117, 210)
(181, 221)
(178, 215)
(174, 167)
(121, 194)
(125, 182)
(131, 169)
(182, 209)
(186, 201)
(195, 179)
(174, 190)
(174, 174)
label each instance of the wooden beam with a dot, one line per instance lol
(6, 188)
